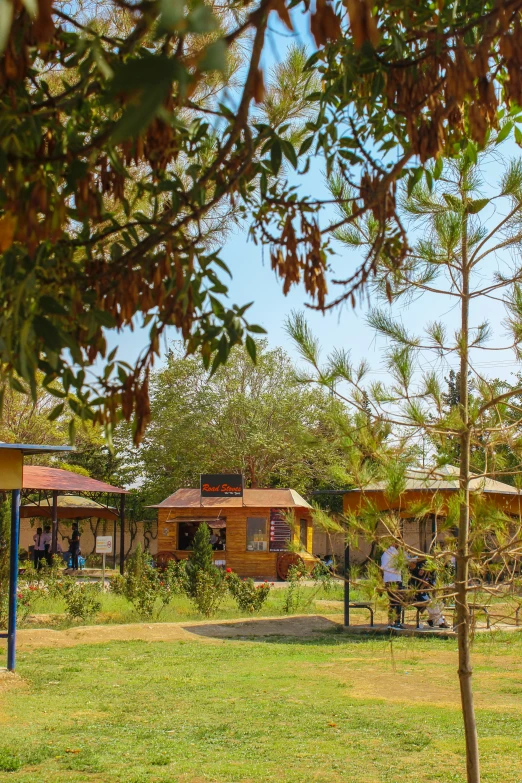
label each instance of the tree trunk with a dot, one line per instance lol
(461, 602)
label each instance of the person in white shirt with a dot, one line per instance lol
(39, 548)
(393, 583)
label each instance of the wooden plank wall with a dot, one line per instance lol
(260, 565)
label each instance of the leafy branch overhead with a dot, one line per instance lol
(135, 135)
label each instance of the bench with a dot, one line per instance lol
(363, 606)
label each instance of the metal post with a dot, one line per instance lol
(13, 579)
(54, 544)
(114, 539)
(122, 535)
(347, 585)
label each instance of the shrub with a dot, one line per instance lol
(82, 600)
(293, 594)
(209, 589)
(249, 597)
(204, 582)
(143, 586)
(200, 559)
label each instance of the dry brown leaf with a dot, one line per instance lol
(325, 25)
(258, 87)
(7, 230)
(283, 13)
(362, 22)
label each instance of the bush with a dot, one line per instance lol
(82, 600)
(204, 582)
(143, 586)
(293, 594)
(209, 589)
(249, 597)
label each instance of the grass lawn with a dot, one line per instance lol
(327, 709)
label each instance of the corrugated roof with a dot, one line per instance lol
(252, 498)
(38, 477)
(440, 479)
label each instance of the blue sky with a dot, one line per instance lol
(254, 281)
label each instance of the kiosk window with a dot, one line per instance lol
(257, 534)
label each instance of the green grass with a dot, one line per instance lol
(330, 709)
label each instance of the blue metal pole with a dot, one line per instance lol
(13, 578)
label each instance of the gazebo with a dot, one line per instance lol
(61, 496)
(11, 478)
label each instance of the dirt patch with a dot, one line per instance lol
(300, 626)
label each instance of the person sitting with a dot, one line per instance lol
(393, 583)
(423, 581)
(214, 539)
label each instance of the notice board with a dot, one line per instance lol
(279, 530)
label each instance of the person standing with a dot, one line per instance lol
(75, 546)
(39, 548)
(48, 539)
(393, 583)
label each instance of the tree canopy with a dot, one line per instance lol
(130, 138)
(251, 419)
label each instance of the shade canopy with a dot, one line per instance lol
(421, 484)
(12, 460)
(44, 478)
(254, 498)
(68, 507)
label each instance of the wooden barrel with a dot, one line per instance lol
(163, 558)
(302, 560)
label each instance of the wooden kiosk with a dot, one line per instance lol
(248, 526)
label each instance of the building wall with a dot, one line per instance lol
(260, 565)
(416, 533)
(135, 533)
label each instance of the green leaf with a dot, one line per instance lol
(276, 156)
(305, 146)
(453, 202)
(251, 347)
(518, 136)
(201, 19)
(215, 57)
(414, 178)
(504, 133)
(6, 18)
(476, 205)
(289, 152)
(136, 119)
(56, 411)
(48, 332)
(471, 152)
(437, 169)
(429, 180)
(51, 306)
(256, 329)
(172, 12)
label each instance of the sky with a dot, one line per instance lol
(253, 280)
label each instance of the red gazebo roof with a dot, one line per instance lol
(37, 477)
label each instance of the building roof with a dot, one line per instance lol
(252, 498)
(69, 507)
(33, 448)
(37, 477)
(441, 479)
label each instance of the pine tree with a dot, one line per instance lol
(201, 558)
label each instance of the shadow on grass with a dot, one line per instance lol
(300, 629)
